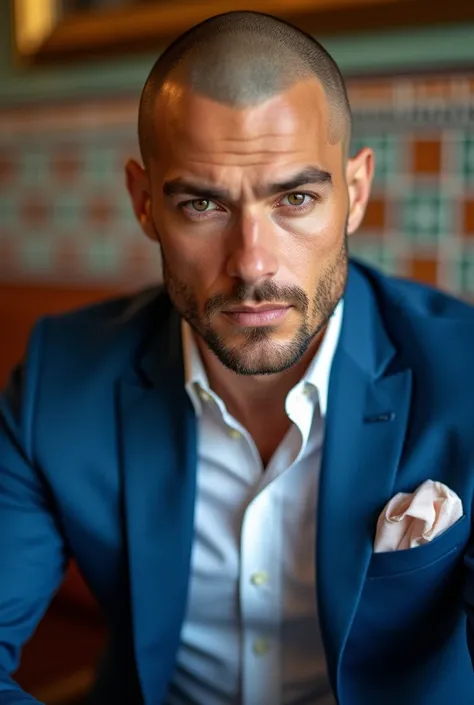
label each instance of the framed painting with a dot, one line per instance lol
(51, 30)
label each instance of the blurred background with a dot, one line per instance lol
(70, 76)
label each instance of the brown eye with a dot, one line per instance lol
(200, 204)
(296, 199)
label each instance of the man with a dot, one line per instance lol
(216, 455)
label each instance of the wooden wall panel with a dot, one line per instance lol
(21, 306)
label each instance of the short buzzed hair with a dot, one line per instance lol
(242, 59)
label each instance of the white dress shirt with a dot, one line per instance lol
(251, 634)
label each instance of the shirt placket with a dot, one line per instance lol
(260, 599)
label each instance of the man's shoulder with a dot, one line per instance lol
(101, 332)
(121, 308)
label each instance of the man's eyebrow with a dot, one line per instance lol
(308, 175)
(181, 187)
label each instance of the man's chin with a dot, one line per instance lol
(257, 361)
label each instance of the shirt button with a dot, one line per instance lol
(261, 647)
(204, 395)
(307, 390)
(233, 433)
(259, 578)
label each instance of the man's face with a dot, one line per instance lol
(252, 209)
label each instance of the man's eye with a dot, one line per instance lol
(296, 199)
(201, 205)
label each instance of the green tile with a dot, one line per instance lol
(101, 164)
(387, 152)
(377, 254)
(8, 211)
(426, 216)
(466, 155)
(464, 273)
(102, 257)
(125, 215)
(68, 212)
(36, 254)
(35, 166)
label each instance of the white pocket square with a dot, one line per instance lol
(410, 520)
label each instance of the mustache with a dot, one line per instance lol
(267, 292)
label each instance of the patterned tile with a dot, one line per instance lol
(35, 166)
(425, 216)
(65, 213)
(423, 269)
(375, 215)
(66, 164)
(466, 156)
(427, 156)
(34, 211)
(36, 255)
(468, 217)
(387, 154)
(8, 210)
(99, 212)
(465, 274)
(101, 164)
(7, 168)
(373, 251)
(102, 257)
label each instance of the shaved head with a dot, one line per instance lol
(242, 59)
(248, 188)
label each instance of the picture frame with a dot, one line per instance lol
(45, 33)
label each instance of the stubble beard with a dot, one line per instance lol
(258, 354)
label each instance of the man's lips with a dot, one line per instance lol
(257, 315)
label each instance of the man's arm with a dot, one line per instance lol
(32, 556)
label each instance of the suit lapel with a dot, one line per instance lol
(158, 440)
(369, 400)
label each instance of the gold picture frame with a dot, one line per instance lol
(43, 33)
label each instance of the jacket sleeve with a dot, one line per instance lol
(32, 553)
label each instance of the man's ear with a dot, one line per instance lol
(138, 187)
(359, 175)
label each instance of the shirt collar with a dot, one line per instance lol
(316, 377)
(194, 373)
(319, 370)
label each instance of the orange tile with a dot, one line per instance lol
(375, 214)
(7, 255)
(100, 212)
(137, 258)
(468, 220)
(65, 165)
(423, 270)
(7, 168)
(372, 90)
(35, 211)
(434, 88)
(427, 156)
(66, 257)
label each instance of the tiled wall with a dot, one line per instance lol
(420, 221)
(65, 215)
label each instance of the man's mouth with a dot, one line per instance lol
(259, 315)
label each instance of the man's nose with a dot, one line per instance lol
(254, 255)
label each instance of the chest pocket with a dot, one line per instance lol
(443, 548)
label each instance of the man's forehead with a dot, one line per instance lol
(181, 112)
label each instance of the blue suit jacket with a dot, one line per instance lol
(98, 461)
